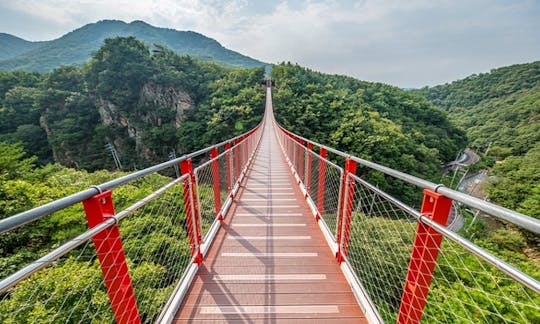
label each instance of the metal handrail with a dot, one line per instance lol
(514, 217)
(69, 246)
(36, 213)
(504, 267)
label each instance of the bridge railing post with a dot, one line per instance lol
(427, 243)
(228, 162)
(301, 158)
(345, 209)
(112, 259)
(216, 182)
(307, 181)
(322, 179)
(191, 208)
(236, 158)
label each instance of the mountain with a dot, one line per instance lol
(500, 108)
(11, 46)
(500, 112)
(76, 47)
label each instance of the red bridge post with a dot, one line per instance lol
(236, 157)
(308, 166)
(322, 179)
(192, 212)
(216, 180)
(112, 260)
(301, 157)
(345, 209)
(228, 165)
(426, 248)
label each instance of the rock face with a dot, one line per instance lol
(159, 96)
(158, 107)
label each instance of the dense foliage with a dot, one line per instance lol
(146, 105)
(71, 290)
(76, 47)
(374, 121)
(500, 111)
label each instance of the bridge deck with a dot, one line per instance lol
(269, 262)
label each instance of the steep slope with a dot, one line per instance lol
(144, 104)
(76, 47)
(500, 111)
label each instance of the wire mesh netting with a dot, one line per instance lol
(464, 287)
(157, 247)
(379, 247)
(206, 198)
(324, 188)
(72, 288)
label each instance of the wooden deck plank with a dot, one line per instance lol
(253, 273)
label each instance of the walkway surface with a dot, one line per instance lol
(269, 262)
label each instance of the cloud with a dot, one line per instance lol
(406, 43)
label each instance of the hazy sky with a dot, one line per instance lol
(408, 43)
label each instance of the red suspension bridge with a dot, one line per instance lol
(271, 227)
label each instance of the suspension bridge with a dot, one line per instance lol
(268, 227)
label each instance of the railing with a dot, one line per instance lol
(404, 265)
(142, 257)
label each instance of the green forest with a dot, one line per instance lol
(53, 131)
(150, 105)
(145, 104)
(374, 121)
(403, 130)
(500, 112)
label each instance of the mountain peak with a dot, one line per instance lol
(76, 47)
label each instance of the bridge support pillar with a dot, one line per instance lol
(192, 210)
(426, 248)
(216, 182)
(236, 158)
(228, 157)
(321, 182)
(112, 260)
(345, 210)
(309, 160)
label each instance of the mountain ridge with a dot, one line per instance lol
(76, 47)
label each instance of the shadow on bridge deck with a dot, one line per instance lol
(270, 262)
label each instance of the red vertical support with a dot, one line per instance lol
(192, 214)
(322, 180)
(228, 165)
(308, 166)
(427, 243)
(112, 259)
(301, 153)
(215, 178)
(236, 156)
(345, 209)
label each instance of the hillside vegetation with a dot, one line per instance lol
(373, 121)
(76, 47)
(500, 111)
(145, 105)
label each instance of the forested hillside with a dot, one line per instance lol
(374, 121)
(76, 47)
(145, 105)
(500, 111)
